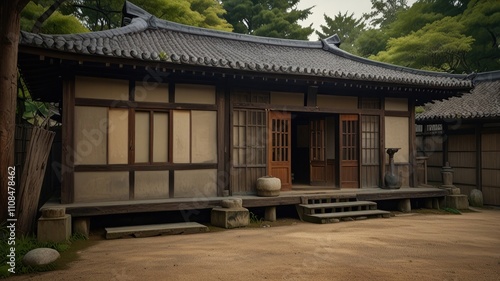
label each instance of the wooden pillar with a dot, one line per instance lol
(479, 160)
(413, 149)
(68, 148)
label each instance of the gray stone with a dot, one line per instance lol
(333, 220)
(82, 226)
(40, 257)
(230, 218)
(347, 219)
(54, 212)
(54, 229)
(455, 191)
(476, 198)
(404, 205)
(270, 213)
(459, 202)
(232, 203)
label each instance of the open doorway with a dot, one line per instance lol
(314, 150)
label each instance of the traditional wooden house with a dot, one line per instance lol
(465, 132)
(157, 109)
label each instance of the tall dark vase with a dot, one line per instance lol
(391, 180)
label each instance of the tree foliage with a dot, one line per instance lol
(98, 15)
(57, 23)
(454, 36)
(440, 46)
(384, 12)
(269, 18)
(346, 27)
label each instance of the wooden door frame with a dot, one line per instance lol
(286, 184)
(357, 148)
(322, 121)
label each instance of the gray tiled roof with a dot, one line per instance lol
(150, 39)
(482, 102)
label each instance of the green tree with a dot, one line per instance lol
(269, 18)
(106, 14)
(56, 23)
(371, 42)
(482, 21)
(440, 46)
(454, 36)
(384, 12)
(346, 26)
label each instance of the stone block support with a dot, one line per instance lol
(54, 229)
(270, 213)
(82, 226)
(404, 205)
(230, 217)
(459, 202)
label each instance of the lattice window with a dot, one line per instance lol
(369, 103)
(370, 135)
(349, 139)
(249, 131)
(280, 135)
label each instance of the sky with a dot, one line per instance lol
(332, 8)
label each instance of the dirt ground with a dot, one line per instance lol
(412, 246)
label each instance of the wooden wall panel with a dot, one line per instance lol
(182, 136)
(195, 183)
(118, 136)
(243, 180)
(462, 159)
(461, 143)
(197, 94)
(204, 136)
(491, 160)
(101, 88)
(151, 92)
(141, 137)
(491, 168)
(397, 136)
(292, 99)
(151, 184)
(434, 174)
(160, 137)
(396, 104)
(101, 186)
(337, 102)
(90, 131)
(464, 175)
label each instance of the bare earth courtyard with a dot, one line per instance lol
(406, 247)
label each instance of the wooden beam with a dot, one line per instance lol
(145, 167)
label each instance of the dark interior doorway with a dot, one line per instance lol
(314, 150)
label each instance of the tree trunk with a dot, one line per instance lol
(10, 13)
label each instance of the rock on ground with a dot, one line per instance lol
(40, 256)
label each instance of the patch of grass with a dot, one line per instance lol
(453, 211)
(25, 244)
(254, 219)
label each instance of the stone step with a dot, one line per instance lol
(326, 217)
(155, 230)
